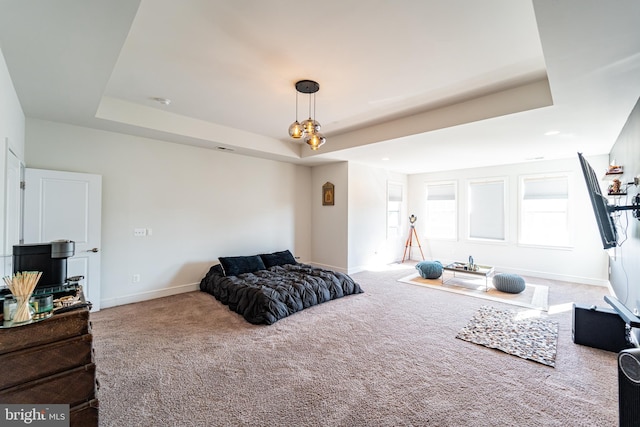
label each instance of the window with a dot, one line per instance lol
(441, 211)
(544, 218)
(394, 206)
(487, 210)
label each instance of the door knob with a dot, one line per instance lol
(94, 250)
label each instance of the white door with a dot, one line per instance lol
(67, 206)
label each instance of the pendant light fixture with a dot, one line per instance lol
(310, 128)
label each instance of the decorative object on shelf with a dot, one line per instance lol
(67, 301)
(328, 196)
(615, 188)
(42, 306)
(310, 128)
(9, 308)
(22, 285)
(471, 266)
(614, 170)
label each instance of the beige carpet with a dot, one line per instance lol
(388, 357)
(534, 296)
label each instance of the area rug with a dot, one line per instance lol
(531, 338)
(534, 296)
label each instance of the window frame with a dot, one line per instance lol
(521, 194)
(456, 198)
(399, 211)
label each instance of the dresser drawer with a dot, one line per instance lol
(74, 387)
(37, 362)
(84, 415)
(57, 327)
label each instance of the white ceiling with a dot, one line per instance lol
(426, 85)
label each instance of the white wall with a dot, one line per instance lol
(12, 119)
(12, 124)
(368, 243)
(584, 262)
(352, 235)
(625, 268)
(201, 204)
(329, 224)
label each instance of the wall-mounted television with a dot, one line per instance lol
(600, 204)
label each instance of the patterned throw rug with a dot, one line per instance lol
(532, 338)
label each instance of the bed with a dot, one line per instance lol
(268, 287)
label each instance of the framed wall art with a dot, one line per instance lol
(328, 196)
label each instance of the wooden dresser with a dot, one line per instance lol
(51, 362)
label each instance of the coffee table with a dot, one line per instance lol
(463, 268)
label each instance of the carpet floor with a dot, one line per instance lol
(388, 357)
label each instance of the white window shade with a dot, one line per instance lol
(486, 210)
(544, 211)
(395, 192)
(441, 192)
(546, 188)
(441, 210)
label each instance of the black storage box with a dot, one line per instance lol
(599, 327)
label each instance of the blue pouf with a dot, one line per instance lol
(510, 283)
(429, 269)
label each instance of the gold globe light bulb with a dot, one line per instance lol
(310, 126)
(315, 140)
(295, 130)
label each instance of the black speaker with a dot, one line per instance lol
(599, 327)
(629, 387)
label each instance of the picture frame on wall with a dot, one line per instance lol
(328, 196)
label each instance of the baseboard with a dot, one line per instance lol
(148, 295)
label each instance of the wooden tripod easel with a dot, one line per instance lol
(412, 232)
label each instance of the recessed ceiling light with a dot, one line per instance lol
(385, 159)
(552, 132)
(163, 101)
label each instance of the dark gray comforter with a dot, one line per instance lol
(266, 296)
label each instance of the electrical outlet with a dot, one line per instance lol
(139, 232)
(135, 278)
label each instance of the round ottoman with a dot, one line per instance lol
(510, 283)
(429, 269)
